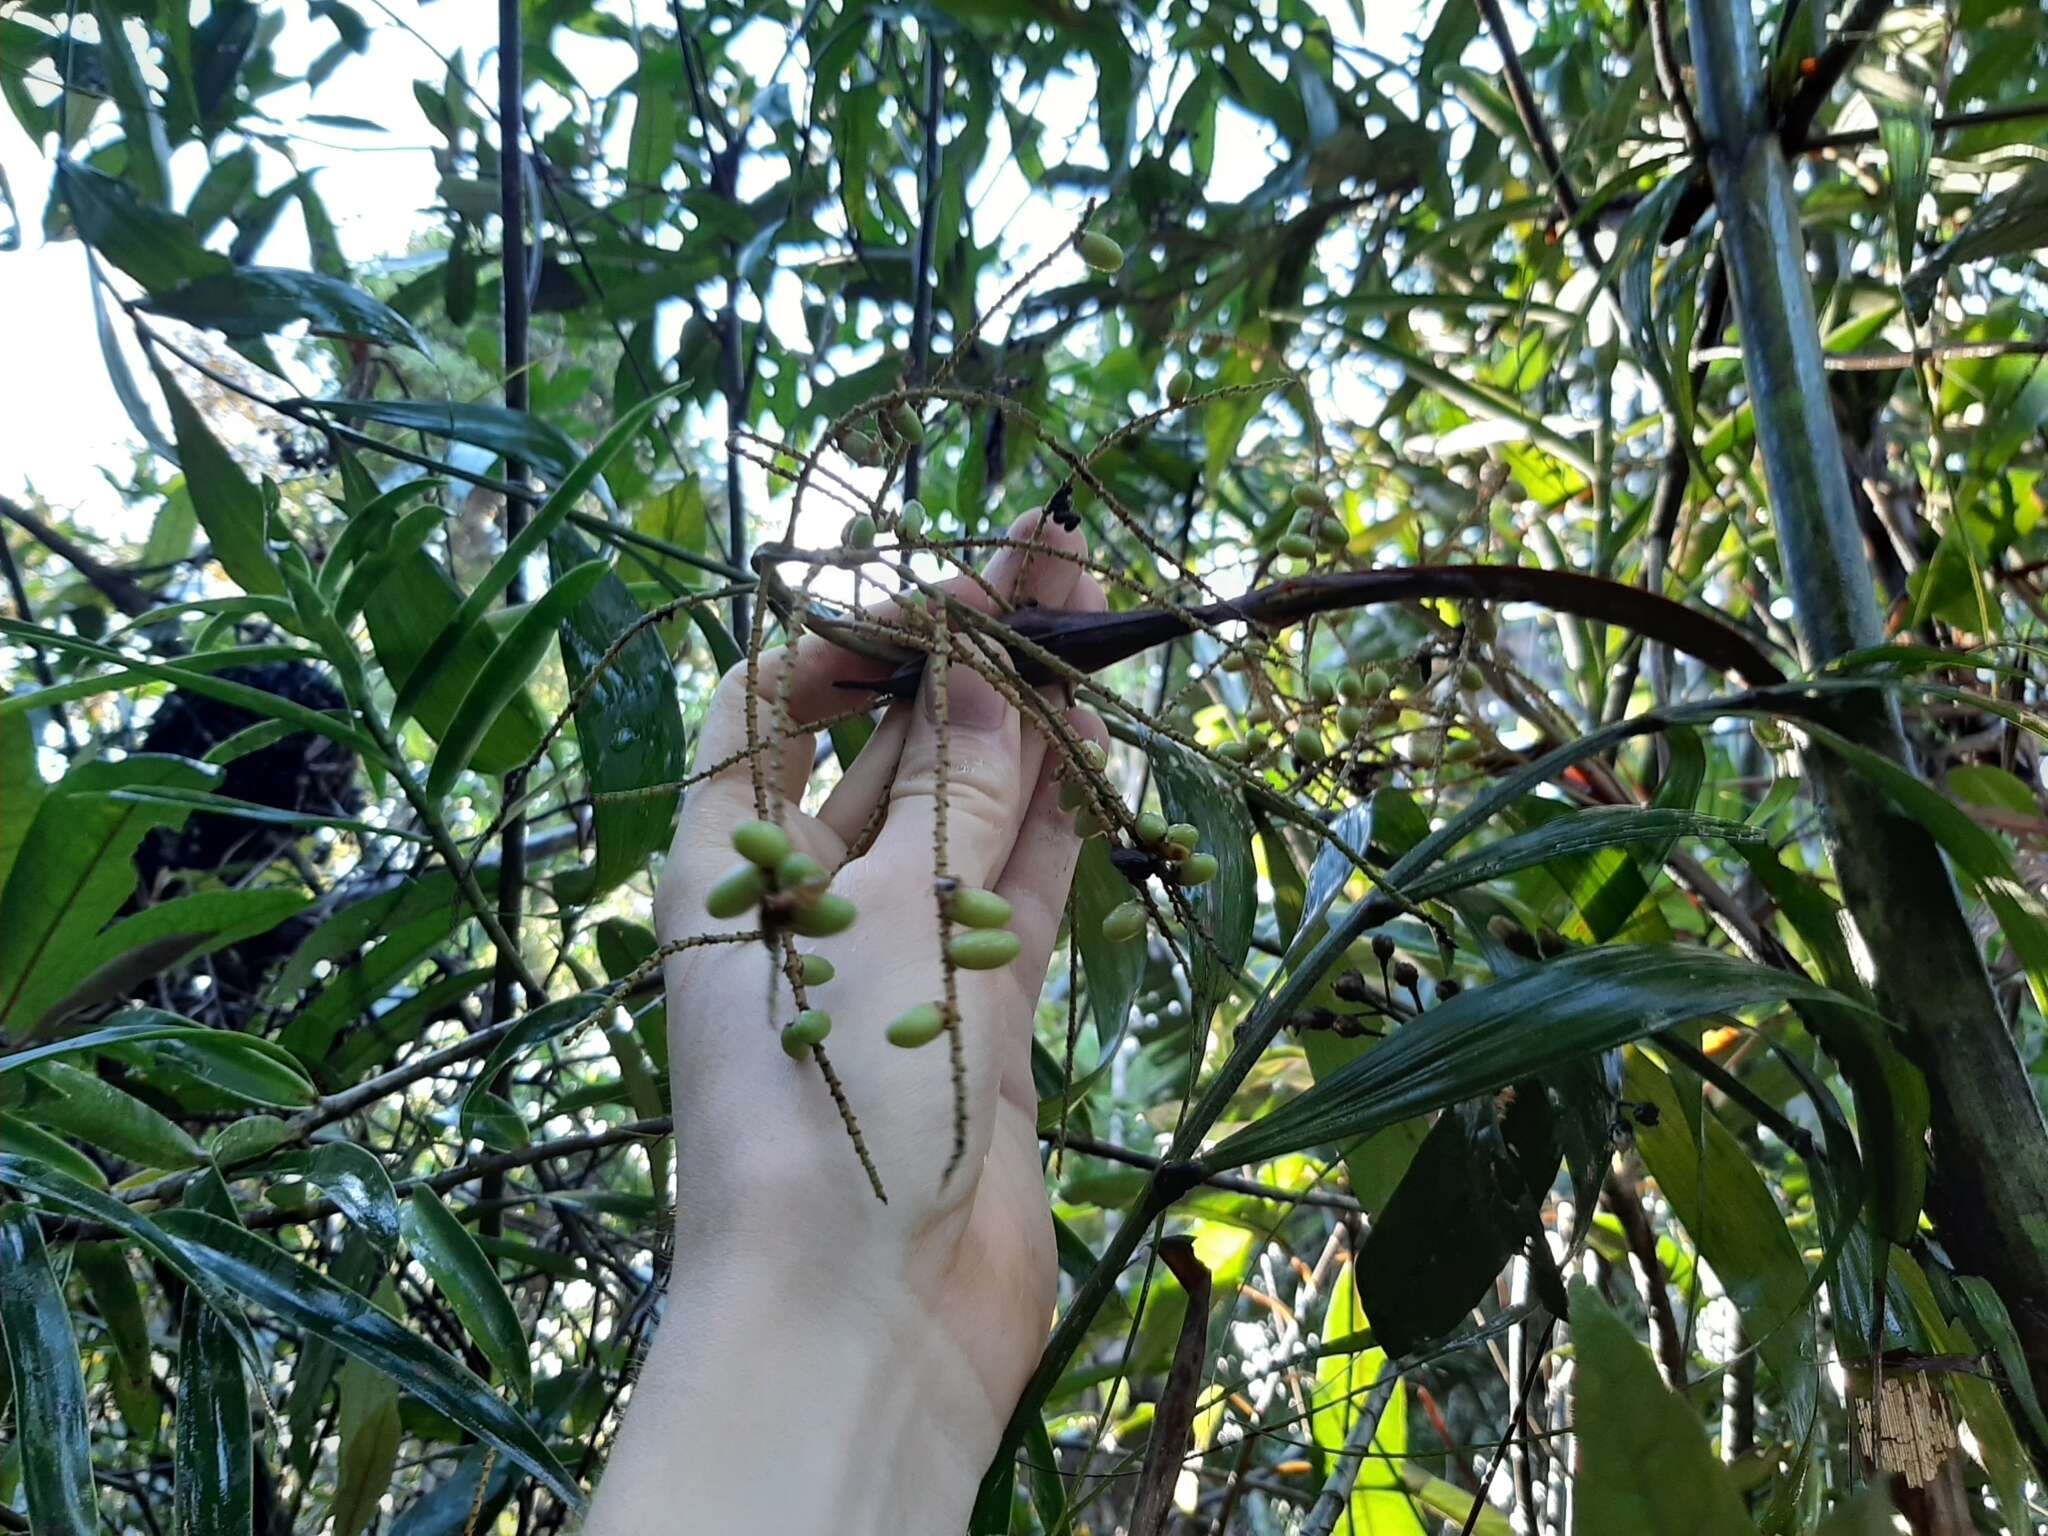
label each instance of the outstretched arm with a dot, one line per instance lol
(828, 1362)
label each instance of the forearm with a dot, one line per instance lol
(760, 1408)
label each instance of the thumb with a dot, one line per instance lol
(965, 736)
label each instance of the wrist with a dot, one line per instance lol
(783, 1401)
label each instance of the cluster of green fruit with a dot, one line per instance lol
(908, 523)
(791, 888)
(1362, 699)
(1316, 527)
(895, 427)
(1173, 846)
(985, 944)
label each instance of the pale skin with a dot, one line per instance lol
(830, 1363)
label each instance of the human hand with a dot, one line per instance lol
(889, 1342)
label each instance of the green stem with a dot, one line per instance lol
(1990, 1144)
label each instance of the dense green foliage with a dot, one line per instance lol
(1534, 949)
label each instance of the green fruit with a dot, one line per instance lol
(1096, 753)
(1471, 678)
(987, 949)
(794, 1045)
(811, 1026)
(1259, 712)
(1100, 252)
(1299, 545)
(1151, 829)
(740, 891)
(1322, 688)
(917, 1026)
(910, 521)
(817, 970)
(761, 842)
(904, 418)
(801, 872)
(1198, 869)
(1310, 496)
(973, 907)
(1234, 661)
(1180, 386)
(829, 914)
(859, 532)
(1184, 834)
(1463, 750)
(1376, 681)
(1125, 923)
(1350, 686)
(1234, 751)
(1308, 744)
(1350, 719)
(1332, 534)
(861, 448)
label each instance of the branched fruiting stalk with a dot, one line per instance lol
(941, 686)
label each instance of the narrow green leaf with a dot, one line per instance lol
(1226, 907)
(505, 674)
(539, 528)
(21, 788)
(546, 449)
(49, 1389)
(543, 1023)
(1576, 832)
(1646, 1464)
(229, 505)
(75, 868)
(156, 248)
(246, 1065)
(213, 1468)
(370, 1434)
(32, 1141)
(355, 1179)
(96, 1112)
(305, 1297)
(629, 730)
(1379, 1500)
(1590, 1000)
(256, 301)
(1714, 1188)
(446, 1250)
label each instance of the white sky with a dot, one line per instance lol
(59, 418)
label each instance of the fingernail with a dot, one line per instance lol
(972, 703)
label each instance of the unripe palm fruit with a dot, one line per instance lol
(1100, 252)
(1096, 753)
(1350, 686)
(831, 913)
(1234, 751)
(972, 907)
(811, 1026)
(1234, 661)
(817, 970)
(761, 842)
(1184, 834)
(911, 520)
(1124, 923)
(1331, 533)
(801, 872)
(1258, 713)
(1151, 829)
(741, 891)
(859, 532)
(1463, 750)
(794, 1045)
(986, 949)
(1308, 745)
(1350, 719)
(1180, 386)
(1322, 688)
(1196, 869)
(1299, 545)
(861, 448)
(1310, 496)
(916, 1026)
(1470, 677)
(1376, 681)
(904, 418)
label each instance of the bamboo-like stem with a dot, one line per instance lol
(1990, 1194)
